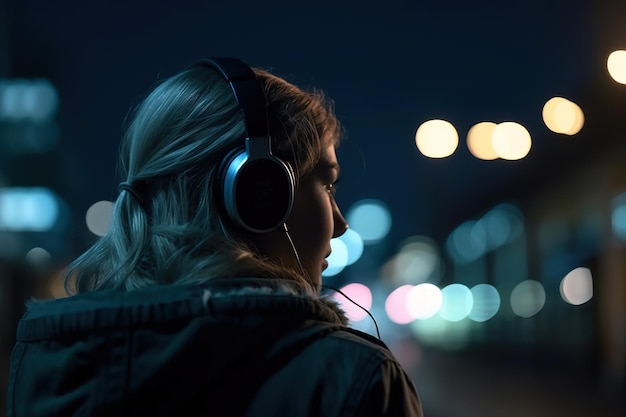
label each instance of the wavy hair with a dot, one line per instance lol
(174, 143)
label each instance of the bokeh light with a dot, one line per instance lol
(502, 224)
(436, 138)
(467, 242)
(497, 228)
(616, 64)
(479, 141)
(548, 113)
(354, 245)
(33, 209)
(35, 100)
(98, 217)
(577, 286)
(396, 305)
(570, 117)
(371, 219)
(360, 294)
(528, 298)
(457, 302)
(472, 239)
(424, 301)
(38, 256)
(563, 116)
(338, 258)
(618, 217)
(486, 302)
(417, 260)
(436, 331)
(511, 141)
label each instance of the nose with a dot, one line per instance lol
(340, 224)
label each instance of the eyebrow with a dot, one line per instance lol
(330, 166)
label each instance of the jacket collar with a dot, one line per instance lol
(115, 309)
(258, 295)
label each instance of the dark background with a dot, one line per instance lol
(388, 68)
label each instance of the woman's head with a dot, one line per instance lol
(171, 152)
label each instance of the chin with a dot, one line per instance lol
(315, 277)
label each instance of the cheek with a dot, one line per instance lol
(312, 216)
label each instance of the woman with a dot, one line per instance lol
(203, 297)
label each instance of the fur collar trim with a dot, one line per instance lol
(273, 292)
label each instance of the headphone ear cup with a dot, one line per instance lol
(257, 193)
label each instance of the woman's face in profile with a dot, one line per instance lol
(313, 222)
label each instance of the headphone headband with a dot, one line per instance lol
(247, 92)
(257, 188)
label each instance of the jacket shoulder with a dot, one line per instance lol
(356, 339)
(352, 370)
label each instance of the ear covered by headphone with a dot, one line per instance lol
(256, 187)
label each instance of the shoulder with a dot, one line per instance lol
(344, 335)
(361, 366)
(348, 351)
(354, 339)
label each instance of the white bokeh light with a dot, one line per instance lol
(577, 286)
(437, 138)
(424, 301)
(98, 217)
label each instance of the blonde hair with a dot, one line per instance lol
(177, 137)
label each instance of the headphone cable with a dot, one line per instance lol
(295, 253)
(293, 248)
(326, 287)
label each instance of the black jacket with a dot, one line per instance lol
(240, 347)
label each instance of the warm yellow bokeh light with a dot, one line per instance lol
(616, 64)
(436, 138)
(563, 116)
(511, 141)
(479, 141)
(569, 117)
(548, 113)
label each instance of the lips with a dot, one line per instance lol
(325, 261)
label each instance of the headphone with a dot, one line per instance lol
(256, 187)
